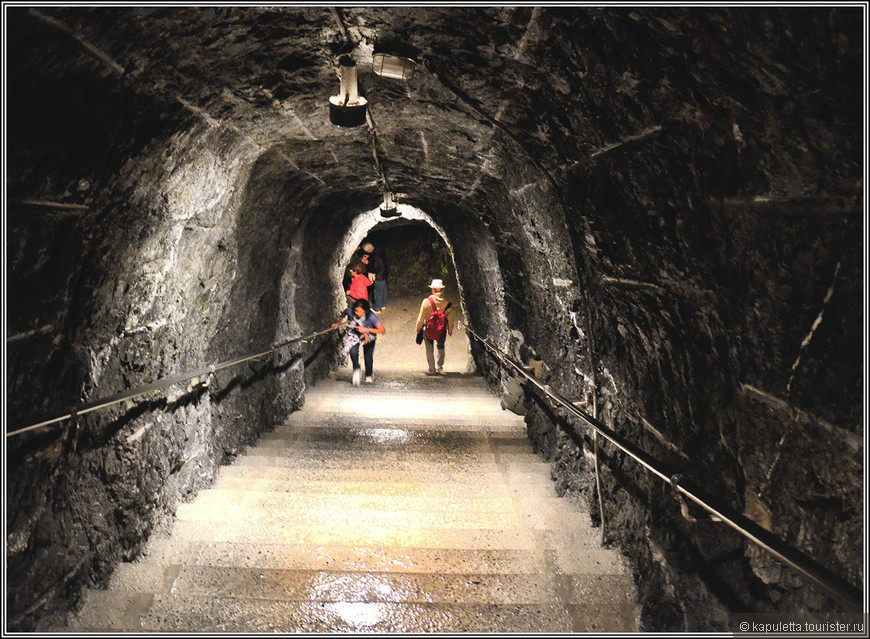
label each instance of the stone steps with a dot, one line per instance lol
(336, 523)
(116, 611)
(277, 481)
(292, 460)
(431, 537)
(227, 614)
(370, 496)
(259, 469)
(337, 586)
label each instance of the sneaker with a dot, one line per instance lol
(431, 372)
(370, 379)
(440, 369)
(357, 375)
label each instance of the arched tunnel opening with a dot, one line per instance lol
(416, 254)
(657, 213)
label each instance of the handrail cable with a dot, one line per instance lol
(805, 564)
(96, 404)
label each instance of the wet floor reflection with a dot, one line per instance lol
(387, 435)
(359, 615)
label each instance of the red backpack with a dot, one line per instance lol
(436, 325)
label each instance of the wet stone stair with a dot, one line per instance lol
(408, 505)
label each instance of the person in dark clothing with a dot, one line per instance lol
(377, 271)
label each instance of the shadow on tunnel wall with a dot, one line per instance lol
(249, 320)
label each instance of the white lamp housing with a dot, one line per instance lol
(393, 66)
(349, 107)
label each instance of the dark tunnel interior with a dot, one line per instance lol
(663, 208)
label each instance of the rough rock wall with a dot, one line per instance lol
(75, 504)
(188, 273)
(718, 238)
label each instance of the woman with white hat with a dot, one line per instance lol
(436, 317)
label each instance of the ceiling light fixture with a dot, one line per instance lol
(390, 65)
(389, 208)
(393, 58)
(347, 109)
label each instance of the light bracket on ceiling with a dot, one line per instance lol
(389, 208)
(348, 109)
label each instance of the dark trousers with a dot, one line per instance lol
(380, 295)
(368, 356)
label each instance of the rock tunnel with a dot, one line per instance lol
(661, 208)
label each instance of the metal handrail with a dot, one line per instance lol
(166, 382)
(808, 566)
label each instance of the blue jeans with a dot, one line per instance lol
(368, 356)
(380, 296)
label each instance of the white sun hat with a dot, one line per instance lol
(436, 284)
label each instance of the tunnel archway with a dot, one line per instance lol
(410, 273)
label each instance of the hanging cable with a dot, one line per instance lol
(370, 122)
(373, 136)
(340, 22)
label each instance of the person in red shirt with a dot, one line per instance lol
(358, 289)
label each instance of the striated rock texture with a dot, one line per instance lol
(664, 205)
